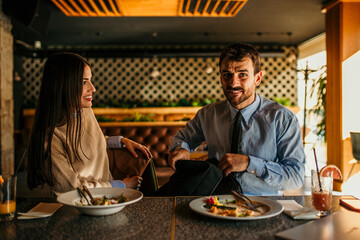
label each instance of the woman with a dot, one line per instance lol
(67, 147)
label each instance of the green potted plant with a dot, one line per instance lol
(320, 107)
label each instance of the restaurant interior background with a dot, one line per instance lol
(168, 61)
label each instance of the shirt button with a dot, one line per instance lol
(253, 172)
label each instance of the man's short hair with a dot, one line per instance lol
(237, 52)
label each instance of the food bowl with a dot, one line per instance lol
(73, 197)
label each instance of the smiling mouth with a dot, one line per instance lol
(234, 91)
(88, 98)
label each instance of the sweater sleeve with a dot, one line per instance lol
(117, 183)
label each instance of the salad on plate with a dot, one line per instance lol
(103, 200)
(232, 208)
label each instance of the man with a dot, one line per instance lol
(255, 139)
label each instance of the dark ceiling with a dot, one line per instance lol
(284, 22)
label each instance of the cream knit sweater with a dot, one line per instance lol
(94, 170)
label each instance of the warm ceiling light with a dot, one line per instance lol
(150, 8)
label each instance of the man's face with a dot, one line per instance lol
(239, 81)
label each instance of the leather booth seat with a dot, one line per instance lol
(156, 138)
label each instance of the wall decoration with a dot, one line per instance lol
(122, 79)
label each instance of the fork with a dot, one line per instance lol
(86, 190)
(83, 194)
(247, 202)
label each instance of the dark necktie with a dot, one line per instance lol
(236, 135)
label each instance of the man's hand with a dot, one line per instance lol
(181, 154)
(233, 163)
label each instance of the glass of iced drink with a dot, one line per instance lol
(321, 192)
(7, 197)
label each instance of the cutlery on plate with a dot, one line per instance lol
(83, 194)
(246, 201)
(89, 193)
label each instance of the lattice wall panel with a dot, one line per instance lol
(129, 79)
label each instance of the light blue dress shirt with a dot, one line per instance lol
(271, 137)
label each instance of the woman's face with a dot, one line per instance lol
(88, 88)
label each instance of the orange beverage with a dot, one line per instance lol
(7, 207)
(321, 201)
(7, 197)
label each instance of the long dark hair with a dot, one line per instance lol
(59, 102)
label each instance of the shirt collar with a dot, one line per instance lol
(246, 112)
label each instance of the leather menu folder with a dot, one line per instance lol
(352, 204)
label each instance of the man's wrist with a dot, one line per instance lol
(247, 162)
(179, 147)
(256, 166)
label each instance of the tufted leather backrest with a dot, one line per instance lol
(156, 138)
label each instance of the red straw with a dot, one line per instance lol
(317, 169)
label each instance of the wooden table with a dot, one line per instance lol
(150, 218)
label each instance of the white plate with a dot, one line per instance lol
(274, 208)
(131, 195)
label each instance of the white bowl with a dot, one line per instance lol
(131, 196)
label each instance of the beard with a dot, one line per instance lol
(236, 100)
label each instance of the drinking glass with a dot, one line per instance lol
(7, 197)
(321, 193)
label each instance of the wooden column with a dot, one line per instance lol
(6, 96)
(342, 42)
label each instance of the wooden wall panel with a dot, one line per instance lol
(350, 46)
(7, 157)
(342, 41)
(351, 29)
(333, 87)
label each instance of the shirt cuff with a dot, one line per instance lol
(115, 142)
(256, 166)
(117, 183)
(183, 145)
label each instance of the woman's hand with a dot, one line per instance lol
(131, 146)
(133, 182)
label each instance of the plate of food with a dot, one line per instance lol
(105, 201)
(227, 207)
